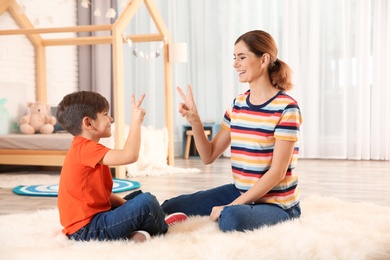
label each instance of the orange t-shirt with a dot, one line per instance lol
(85, 184)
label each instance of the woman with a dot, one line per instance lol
(261, 128)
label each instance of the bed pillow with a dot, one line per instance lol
(57, 126)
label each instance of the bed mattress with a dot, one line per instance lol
(55, 141)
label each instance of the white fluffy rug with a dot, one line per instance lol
(328, 229)
(11, 180)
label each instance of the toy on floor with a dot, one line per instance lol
(38, 120)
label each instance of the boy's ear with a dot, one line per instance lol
(86, 123)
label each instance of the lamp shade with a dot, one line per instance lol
(178, 52)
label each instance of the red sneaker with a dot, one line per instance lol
(174, 218)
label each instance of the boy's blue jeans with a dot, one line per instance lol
(141, 211)
(232, 218)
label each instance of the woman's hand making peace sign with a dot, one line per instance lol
(188, 108)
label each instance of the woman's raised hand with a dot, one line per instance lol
(188, 108)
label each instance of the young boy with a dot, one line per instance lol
(88, 209)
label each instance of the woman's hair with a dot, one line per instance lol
(260, 42)
(75, 106)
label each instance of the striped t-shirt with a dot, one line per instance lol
(253, 130)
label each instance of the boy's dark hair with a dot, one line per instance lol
(75, 106)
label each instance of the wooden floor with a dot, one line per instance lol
(354, 181)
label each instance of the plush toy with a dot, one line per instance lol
(39, 119)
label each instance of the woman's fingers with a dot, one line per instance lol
(189, 89)
(183, 96)
(141, 99)
(132, 100)
(182, 109)
(187, 109)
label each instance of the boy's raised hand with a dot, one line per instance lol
(137, 112)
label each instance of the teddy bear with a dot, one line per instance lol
(38, 120)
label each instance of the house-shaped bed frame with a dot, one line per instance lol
(55, 158)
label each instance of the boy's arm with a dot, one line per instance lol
(130, 151)
(116, 201)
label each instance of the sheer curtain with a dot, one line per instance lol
(95, 70)
(339, 52)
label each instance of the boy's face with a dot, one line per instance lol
(102, 124)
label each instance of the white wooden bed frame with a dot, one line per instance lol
(55, 158)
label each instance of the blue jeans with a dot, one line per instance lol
(232, 218)
(141, 211)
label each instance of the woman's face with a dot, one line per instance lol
(247, 64)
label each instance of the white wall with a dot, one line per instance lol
(17, 53)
